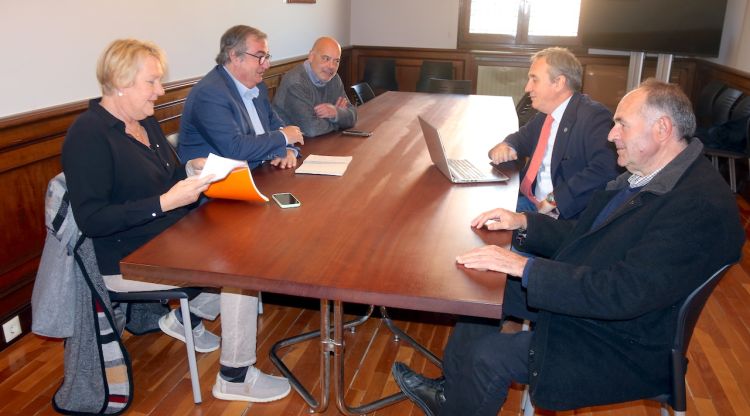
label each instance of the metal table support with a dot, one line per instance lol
(335, 345)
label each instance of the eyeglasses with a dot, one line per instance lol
(262, 57)
(326, 59)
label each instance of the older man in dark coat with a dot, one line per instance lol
(605, 286)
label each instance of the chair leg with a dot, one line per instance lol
(185, 308)
(732, 175)
(528, 408)
(715, 162)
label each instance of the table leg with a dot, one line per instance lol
(326, 347)
(399, 334)
(335, 346)
(338, 371)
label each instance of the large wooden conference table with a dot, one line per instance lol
(386, 233)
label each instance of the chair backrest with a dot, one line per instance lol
(742, 108)
(173, 139)
(687, 317)
(524, 110)
(449, 86)
(380, 74)
(723, 105)
(433, 69)
(705, 104)
(363, 93)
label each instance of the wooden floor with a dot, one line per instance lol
(718, 376)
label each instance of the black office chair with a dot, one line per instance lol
(723, 105)
(433, 69)
(524, 110)
(164, 296)
(731, 134)
(727, 135)
(380, 74)
(705, 104)
(741, 108)
(362, 93)
(687, 317)
(449, 86)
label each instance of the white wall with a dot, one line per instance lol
(408, 23)
(49, 47)
(735, 41)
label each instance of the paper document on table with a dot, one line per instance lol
(220, 166)
(325, 165)
(232, 179)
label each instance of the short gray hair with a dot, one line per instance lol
(670, 100)
(233, 42)
(562, 62)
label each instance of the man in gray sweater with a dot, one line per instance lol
(311, 95)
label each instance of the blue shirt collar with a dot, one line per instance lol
(315, 80)
(241, 88)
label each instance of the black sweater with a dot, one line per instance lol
(115, 182)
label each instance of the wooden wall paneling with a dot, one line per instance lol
(22, 238)
(23, 129)
(682, 73)
(344, 70)
(23, 233)
(706, 71)
(168, 108)
(605, 83)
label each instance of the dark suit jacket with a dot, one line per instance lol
(582, 159)
(215, 120)
(607, 296)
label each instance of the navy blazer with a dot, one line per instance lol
(215, 120)
(582, 158)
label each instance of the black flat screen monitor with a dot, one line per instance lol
(684, 27)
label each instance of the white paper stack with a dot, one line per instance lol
(325, 165)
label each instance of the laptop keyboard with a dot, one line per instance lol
(465, 170)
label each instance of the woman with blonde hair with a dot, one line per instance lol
(127, 185)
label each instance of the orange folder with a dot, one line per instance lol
(239, 185)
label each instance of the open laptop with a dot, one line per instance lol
(457, 170)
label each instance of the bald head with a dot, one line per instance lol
(326, 44)
(325, 57)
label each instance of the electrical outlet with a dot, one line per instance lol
(12, 329)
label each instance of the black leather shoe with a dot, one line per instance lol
(424, 392)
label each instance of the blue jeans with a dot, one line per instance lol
(524, 204)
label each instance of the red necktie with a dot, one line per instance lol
(536, 160)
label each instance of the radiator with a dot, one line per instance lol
(502, 80)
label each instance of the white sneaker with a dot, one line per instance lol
(257, 387)
(204, 340)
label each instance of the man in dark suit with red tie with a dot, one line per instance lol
(566, 142)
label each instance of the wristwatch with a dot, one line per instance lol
(551, 199)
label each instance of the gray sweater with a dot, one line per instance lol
(297, 97)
